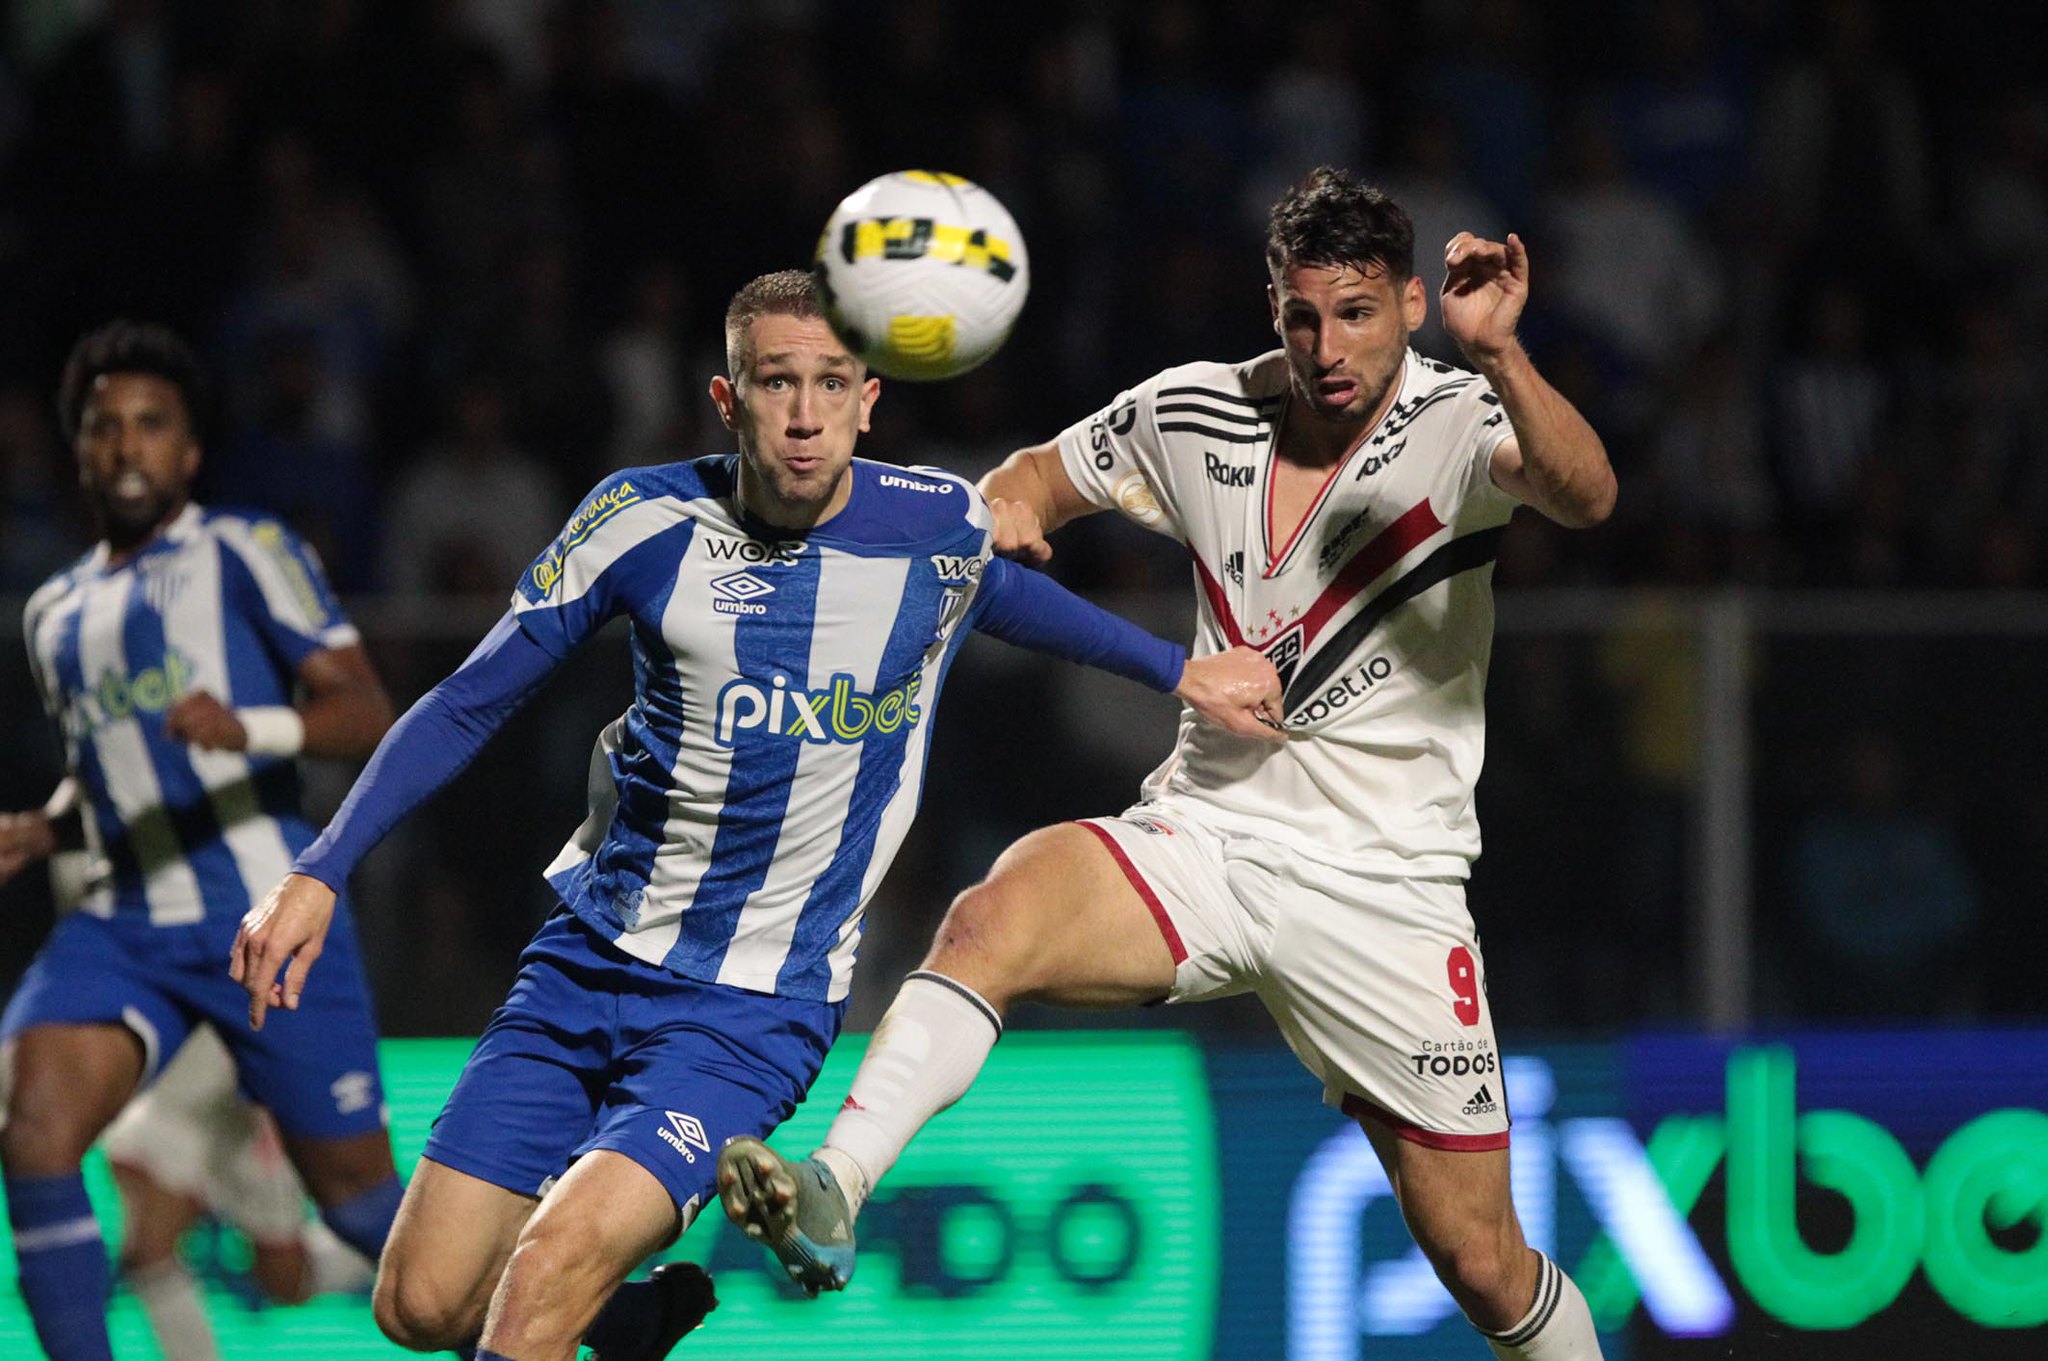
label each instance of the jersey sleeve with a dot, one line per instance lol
(291, 604)
(1116, 461)
(1486, 429)
(580, 580)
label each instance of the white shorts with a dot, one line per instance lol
(192, 1132)
(1377, 983)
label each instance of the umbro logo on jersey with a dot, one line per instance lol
(912, 484)
(352, 1092)
(1482, 1102)
(684, 1132)
(1224, 473)
(740, 591)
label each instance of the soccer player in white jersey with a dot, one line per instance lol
(1341, 498)
(793, 613)
(169, 657)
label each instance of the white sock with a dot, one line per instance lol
(333, 1267)
(170, 1300)
(1558, 1326)
(923, 1057)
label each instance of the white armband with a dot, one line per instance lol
(274, 730)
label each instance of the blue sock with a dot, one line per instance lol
(65, 1278)
(627, 1324)
(482, 1355)
(363, 1221)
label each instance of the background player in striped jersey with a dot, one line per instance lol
(169, 657)
(793, 612)
(1341, 498)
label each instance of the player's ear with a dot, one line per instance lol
(1414, 302)
(1273, 307)
(869, 391)
(726, 398)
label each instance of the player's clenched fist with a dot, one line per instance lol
(1238, 691)
(288, 926)
(1018, 534)
(205, 722)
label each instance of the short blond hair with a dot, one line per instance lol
(785, 293)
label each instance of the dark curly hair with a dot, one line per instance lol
(130, 347)
(1332, 219)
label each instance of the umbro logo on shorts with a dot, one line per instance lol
(684, 1132)
(1482, 1102)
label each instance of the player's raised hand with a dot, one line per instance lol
(24, 839)
(1018, 534)
(1238, 691)
(1486, 284)
(288, 926)
(204, 721)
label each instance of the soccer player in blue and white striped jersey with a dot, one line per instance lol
(169, 657)
(793, 614)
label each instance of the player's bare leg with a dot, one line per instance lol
(153, 1216)
(1459, 1207)
(64, 1084)
(603, 1217)
(453, 1236)
(1055, 921)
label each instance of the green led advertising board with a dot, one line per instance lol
(1065, 1210)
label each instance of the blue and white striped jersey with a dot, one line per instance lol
(225, 602)
(747, 804)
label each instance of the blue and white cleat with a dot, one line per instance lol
(795, 1210)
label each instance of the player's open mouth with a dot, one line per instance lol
(1336, 391)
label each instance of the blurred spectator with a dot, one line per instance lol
(473, 510)
(1683, 114)
(1486, 74)
(1181, 132)
(1832, 402)
(293, 445)
(1883, 898)
(1429, 180)
(2002, 201)
(487, 184)
(1987, 455)
(647, 369)
(1622, 263)
(1311, 110)
(1844, 152)
(1709, 465)
(40, 529)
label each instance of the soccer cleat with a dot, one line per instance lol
(686, 1297)
(795, 1210)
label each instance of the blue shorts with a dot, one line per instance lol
(596, 1049)
(314, 1068)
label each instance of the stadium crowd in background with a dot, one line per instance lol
(1797, 257)
(1800, 267)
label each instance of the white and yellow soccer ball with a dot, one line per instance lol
(922, 274)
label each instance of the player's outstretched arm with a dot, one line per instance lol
(1554, 461)
(33, 835)
(1031, 610)
(1029, 496)
(288, 927)
(344, 713)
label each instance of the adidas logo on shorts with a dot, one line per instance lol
(1482, 1102)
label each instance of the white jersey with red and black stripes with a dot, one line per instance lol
(1377, 609)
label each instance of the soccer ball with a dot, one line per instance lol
(922, 274)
